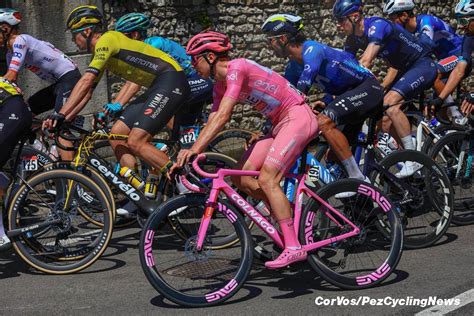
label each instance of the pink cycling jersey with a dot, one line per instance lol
(294, 125)
(41, 58)
(251, 83)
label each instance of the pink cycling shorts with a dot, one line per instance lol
(283, 145)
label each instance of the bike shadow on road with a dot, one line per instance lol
(297, 281)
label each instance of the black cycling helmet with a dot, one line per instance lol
(343, 8)
(277, 24)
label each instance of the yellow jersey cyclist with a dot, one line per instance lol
(15, 119)
(134, 61)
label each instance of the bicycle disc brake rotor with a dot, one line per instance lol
(194, 255)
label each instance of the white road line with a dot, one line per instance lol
(464, 298)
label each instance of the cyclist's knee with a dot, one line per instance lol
(268, 179)
(136, 143)
(393, 110)
(325, 123)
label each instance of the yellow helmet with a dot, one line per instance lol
(83, 17)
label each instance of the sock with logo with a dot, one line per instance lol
(289, 236)
(352, 168)
(407, 142)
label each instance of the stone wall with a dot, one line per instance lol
(241, 20)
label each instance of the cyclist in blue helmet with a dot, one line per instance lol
(464, 13)
(335, 72)
(412, 69)
(437, 34)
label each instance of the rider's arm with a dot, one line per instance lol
(83, 88)
(454, 79)
(389, 78)
(78, 108)
(128, 91)
(18, 54)
(215, 124)
(106, 47)
(369, 55)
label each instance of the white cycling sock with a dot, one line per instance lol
(407, 142)
(352, 168)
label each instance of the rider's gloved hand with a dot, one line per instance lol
(113, 108)
(54, 120)
(468, 104)
(435, 104)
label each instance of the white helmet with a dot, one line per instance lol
(10, 16)
(394, 6)
(464, 8)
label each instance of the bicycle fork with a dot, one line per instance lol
(206, 218)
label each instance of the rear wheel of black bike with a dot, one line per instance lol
(454, 153)
(363, 260)
(47, 228)
(181, 272)
(425, 204)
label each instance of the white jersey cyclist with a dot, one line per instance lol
(40, 57)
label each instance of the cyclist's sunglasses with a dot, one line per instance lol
(464, 21)
(341, 19)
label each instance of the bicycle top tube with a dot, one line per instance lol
(220, 172)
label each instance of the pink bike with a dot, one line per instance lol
(343, 236)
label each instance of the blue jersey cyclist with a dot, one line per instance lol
(436, 33)
(337, 73)
(135, 26)
(464, 13)
(409, 60)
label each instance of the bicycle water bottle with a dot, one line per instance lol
(263, 209)
(150, 185)
(38, 145)
(132, 178)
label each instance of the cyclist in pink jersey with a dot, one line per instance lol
(294, 125)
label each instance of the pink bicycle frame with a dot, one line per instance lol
(218, 184)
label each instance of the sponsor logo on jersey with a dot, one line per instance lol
(372, 30)
(177, 91)
(266, 86)
(232, 76)
(15, 62)
(48, 59)
(102, 49)
(13, 117)
(308, 50)
(410, 43)
(17, 55)
(19, 46)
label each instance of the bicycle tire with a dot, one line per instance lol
(231, 142)
(429, 142)
(58, 256)
(427, 214)
(368, 206)
(446, 152)
(207, 267)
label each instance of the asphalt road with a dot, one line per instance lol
(116, 285)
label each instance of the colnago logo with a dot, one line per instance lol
(126, 188)
(253, 214)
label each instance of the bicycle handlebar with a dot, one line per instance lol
(198, 169)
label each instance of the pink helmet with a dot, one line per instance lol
(208, 41)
